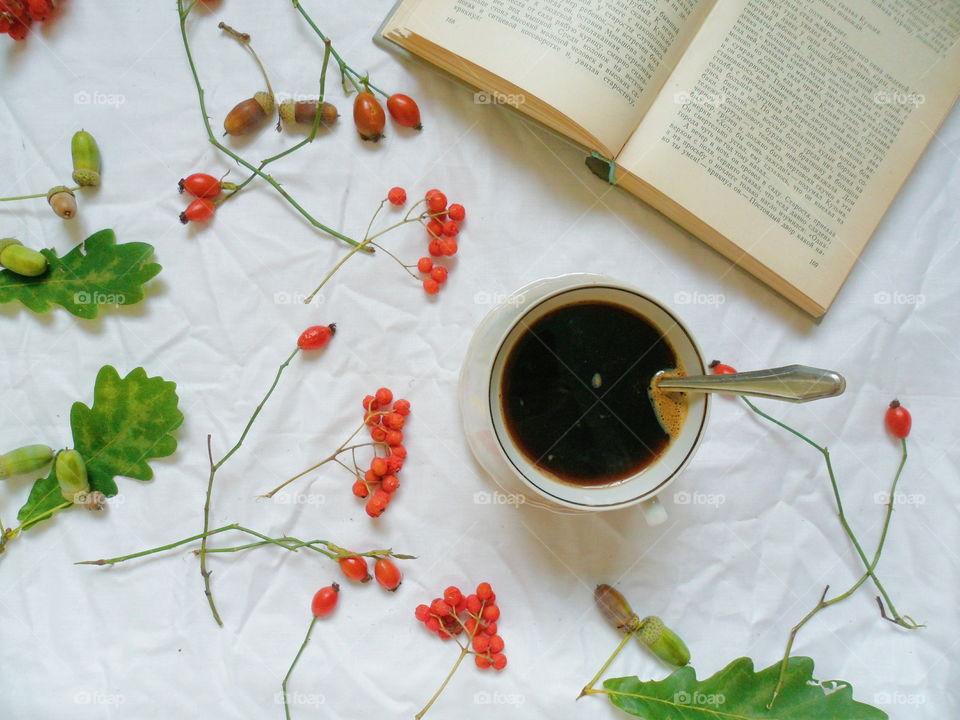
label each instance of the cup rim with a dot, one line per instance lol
(586, 282)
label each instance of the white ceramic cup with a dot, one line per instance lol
(482, 414)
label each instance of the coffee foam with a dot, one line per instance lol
(670, 407)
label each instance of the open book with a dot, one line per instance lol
(777, 131)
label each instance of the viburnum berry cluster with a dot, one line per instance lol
(384, 418)
(442, 223)
(16, 16)
(471, 620)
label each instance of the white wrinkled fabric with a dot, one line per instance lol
(731, 570)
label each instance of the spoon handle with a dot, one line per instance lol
(793, 383)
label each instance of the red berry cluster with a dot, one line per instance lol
(16, 15)
(475, 615)
(385, 418)
(443, 227)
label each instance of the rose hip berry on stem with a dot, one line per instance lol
(368, 116)
(316, 336)
(200, 210)
(472, 617)
(404, 111)
(324, 602)
(898, 420)
(387, 574)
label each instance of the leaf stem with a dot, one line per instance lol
(588, 688)
(283, 685)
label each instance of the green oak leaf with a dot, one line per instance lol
(45, 500)
(739, 692)
(96, 272)
(131, 422)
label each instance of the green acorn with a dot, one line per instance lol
(71, 474)
(86, 159)
(21, 260)
(663, 641)
(25, 459)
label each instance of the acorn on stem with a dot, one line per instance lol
(651, 631)
(249, 115)
(86, 159)
(63, 201)
(71, 473)
(304, 112)
(21, 260)
(28, 458)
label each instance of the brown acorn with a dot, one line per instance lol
(62, 201)
(305, 111)
(249, 115)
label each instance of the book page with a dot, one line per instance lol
(789, 126)
(598, 62)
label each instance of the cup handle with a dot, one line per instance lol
(653, 512)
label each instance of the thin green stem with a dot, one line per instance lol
(836, 495)
(367, 242)
(824, 603)
(160, 548)
(306, 639)
(33, 195)
(346, 72)
(227, 151)
(399, 262)
(214, 466)
(464, 651)
(588, 688)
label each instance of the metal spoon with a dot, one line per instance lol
(792, 383)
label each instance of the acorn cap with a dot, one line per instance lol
(7, 242)
(56, 189)
(663, 641)
(264, 100)
(288, 111)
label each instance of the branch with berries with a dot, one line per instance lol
(471, 621)
(352, 564)
(252, 114)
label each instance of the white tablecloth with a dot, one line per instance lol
(731, 570)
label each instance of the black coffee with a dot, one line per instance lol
(575, 392)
